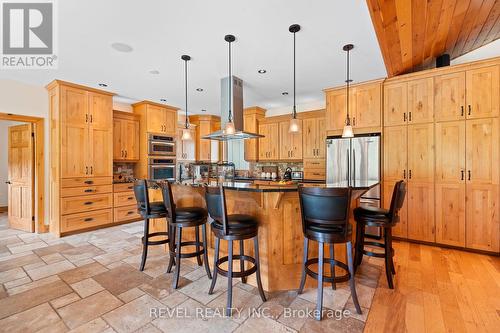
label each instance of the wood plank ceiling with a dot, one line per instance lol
(412, 33)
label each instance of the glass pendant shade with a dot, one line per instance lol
(294, 126)
(229, 129)
(186, 135)
(347, 132)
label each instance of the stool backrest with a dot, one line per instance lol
(142, 196)
(397, 200)
(325, 207)
(168, 200)
(215, 198)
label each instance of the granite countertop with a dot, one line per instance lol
(249, 187)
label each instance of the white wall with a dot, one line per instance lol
(487, 51)
(311, 106)
(28, 100)
(4, 155)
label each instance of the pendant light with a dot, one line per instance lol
(186, 133)
(347, 132)
(294, 122)
(229, 128)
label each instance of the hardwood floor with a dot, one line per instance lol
(438, 290)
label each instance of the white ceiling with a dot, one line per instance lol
(160, 31)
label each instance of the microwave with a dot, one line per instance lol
(161, 145)
(161, 168)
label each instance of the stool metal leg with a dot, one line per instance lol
(319, 303)
(171, 247)
(304, 260)
(175, 281)
(145, 244)
(332, 265)
(216, 257)
(351, 280)
(242, 262)
(197, 239)
(229, 277)
(257, 263)
(205, 250)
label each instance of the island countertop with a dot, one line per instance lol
(250, 187)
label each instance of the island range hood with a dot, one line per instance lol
(231, 106)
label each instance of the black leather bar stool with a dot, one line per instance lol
(149, 210)
(236, 227)
(385, 219)
(185, 217)
(325, 219)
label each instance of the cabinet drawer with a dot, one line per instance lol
(85, 220)
(77, 191)
(77, 182)
(315, 174)
(86, 203)
(123, 187)
(314, 164)
(126, 213)
(124, 199)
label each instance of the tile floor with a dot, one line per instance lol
(90, 282)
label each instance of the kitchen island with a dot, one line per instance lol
(277, 208)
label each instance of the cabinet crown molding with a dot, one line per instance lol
(57, 83)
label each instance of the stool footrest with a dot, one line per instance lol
(157, 242)
(335, 262)
(190, 254)
(244, 273)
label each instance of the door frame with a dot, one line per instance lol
(39, 172)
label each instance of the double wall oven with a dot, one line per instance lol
(161, 157)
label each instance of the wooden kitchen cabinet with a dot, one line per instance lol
(157, 118)
(206, 150)
(81, 136)
(395, 103)
(482, 97)
(125, 137)
(401, 228)
(269, 144)
(421, 222)
(365, 107)
(395, 153)
(421, 153)
(482, 184)
(449, 96)
(421, 101)
(290, 144)
(251, 118)
(314, 138)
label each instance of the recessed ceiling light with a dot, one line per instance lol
(284, 93)
(154, 72)
(262, 71)
(121, 47)
(203, 110)
(199, 89)
(163, 100)
(103, 85)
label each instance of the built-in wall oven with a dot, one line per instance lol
(161, 145)
(161, 168)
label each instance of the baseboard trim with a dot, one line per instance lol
(496, 254)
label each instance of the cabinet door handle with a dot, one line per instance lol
(88, 219)
(462, 173)
(88, 203)
(89, 190)
(409, 116)
(409, 174)
(86, 170)
(86, 117)
(470, 109)
(404, 174)
(89, 182)
(91, 170)
(404, 116)
(126, 153)
(469, 176)
(130, 198)
(130, 212)
(462, 111)
(91, 118)
(353, 121)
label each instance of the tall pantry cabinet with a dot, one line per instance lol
(452, 155)
(81, 161)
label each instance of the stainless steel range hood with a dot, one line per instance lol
(237, 112)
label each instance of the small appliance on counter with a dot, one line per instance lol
(288, 174)
(269, 172)
(297, 175)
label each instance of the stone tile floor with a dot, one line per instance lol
(90, 282)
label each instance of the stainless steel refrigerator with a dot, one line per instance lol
(358, 158)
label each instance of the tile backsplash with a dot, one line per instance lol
(256, 168)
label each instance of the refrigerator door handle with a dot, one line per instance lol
(354, 164)
(348, 166)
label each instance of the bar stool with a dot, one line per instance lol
(149, 210)
(385, 219)
(235, 227)
(325, 219)
(179, 218)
